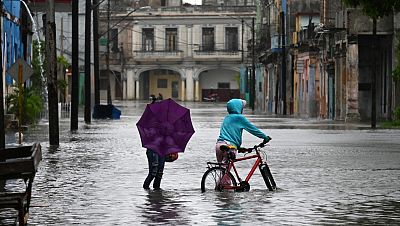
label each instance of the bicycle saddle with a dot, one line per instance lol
(226, 147)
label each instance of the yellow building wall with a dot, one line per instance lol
(165, 92)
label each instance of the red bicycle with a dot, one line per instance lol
(218, 176)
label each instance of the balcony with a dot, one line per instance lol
(159, 55)
(225, 54)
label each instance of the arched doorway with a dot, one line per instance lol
(222, 83)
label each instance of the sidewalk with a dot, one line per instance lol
(296, 123)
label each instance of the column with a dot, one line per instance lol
(182, 90)
(130, 83)
(137, 96)
(352, 113)
(189, 84)
(197, 90)
(124, 85)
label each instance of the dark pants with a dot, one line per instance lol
(156, 168)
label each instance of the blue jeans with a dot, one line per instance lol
(156, 168)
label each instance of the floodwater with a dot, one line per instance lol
(325, 177)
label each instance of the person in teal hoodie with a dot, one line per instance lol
(232, 128)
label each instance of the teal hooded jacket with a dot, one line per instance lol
(234, 123)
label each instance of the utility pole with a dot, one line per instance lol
(96, 53)
(2, 130)
(253, 67)
(373, 80)
(52, 75)
(75, 66)
(62, 54)
(283, 78)
(109, 101)
(242, 40)
(88, 10)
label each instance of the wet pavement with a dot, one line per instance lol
(327, 174)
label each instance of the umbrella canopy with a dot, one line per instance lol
(165, 127)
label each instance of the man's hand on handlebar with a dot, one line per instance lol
(268, 139)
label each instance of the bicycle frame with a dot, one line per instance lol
(252, 170)
(220, 172)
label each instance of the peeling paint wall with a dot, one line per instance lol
(352, 113)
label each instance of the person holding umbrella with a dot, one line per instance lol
(156, 164)
(165, 128)
(156, 169)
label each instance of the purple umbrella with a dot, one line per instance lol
(165, 127)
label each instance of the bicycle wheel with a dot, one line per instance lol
(212, 177)
(267, 176)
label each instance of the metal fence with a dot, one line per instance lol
(64, 111)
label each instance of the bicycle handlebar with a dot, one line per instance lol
(260, 145)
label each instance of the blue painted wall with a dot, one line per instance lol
(13, 48)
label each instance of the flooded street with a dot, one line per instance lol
(325, 177)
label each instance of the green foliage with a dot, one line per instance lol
(32, 104)
(391, 124)
(38, 57)
(63, 61)
(396, 71)
(375, 8)
(237, 79)
(62, 84)
(396, 114)
(394, 124)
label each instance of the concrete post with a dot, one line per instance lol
(130, 83)
(189, 84)
(137, 90)
(183, 90)
(124, 90)
(352, 112)
(197, 90)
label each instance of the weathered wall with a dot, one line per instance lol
(358, 23)
(352, 113)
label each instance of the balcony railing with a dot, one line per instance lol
(157, 54)
(217, 53)
(121, 8)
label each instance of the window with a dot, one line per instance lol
(162, 83)
(224, 85)
(231, 39)
(148, 39)
(114, 40)
(259, 87)
(103, 83)
(208, 39)
(171, 38)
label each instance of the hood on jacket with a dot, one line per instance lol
(235, 106)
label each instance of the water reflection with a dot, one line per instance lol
(381, 211)
(228, 209)
(162, 207)
(329, 177)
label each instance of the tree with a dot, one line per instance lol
(26, 101)
(375, 9)
(39, 69)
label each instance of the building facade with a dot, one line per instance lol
(330, 61)
(183, 52)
